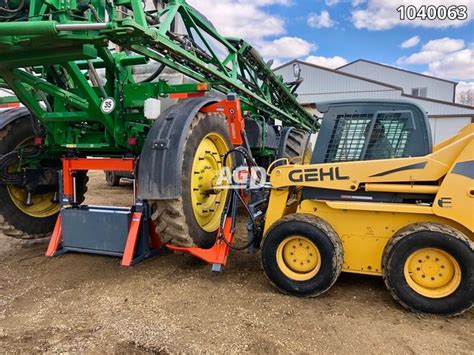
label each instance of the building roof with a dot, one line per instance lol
(336, 71)
(399, 69)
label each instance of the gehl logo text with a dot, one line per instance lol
(313, 175)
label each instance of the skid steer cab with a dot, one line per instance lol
(377, 199)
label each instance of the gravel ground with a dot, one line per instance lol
(174, 304)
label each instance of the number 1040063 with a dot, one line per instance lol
(432, 12)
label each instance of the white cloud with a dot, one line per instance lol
(423, 57)
(246, 19)
(357, 2)
(445, 45)
(446, 58)
(328, 62)
(411, 42)
(380, 15)
(323, 20)
(251, 20)
(433, 51)
(332, 2)
(286, 47)
(457, 65)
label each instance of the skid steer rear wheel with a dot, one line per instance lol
(428, 267)
(193, 219)
(302, 255)
(18, 219)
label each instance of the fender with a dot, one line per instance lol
(159, 169)
(8, 116)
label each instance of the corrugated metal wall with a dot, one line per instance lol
(437, 89)
(324, 85)
(328, 85)
(443, 128)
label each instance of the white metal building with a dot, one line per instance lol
(368, 80)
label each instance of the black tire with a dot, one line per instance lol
(174, 219)
(295, 143)
(13, 221)
(324, 238)
(112, 178)
(429, 235)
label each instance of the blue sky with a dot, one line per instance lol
(332, 32)
(345, 40)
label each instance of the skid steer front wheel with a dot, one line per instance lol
(428, 267)
(193, 219)
(302, 255)
(20, 218)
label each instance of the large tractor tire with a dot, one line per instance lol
(295, 146)
(17, 219)
(429, 268)
(194, 218)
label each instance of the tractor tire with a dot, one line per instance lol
(295, 145)
(429, 268)
(112, 179)
(302, 255)
(18, 220)
(194, 218)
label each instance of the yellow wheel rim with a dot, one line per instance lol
(298, 258)
(207, 165)
(42, 204)
(306, 156)
(432, 273)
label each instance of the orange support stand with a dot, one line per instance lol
(216, 255)
(132, 239)
(55, 241)
(71, 166)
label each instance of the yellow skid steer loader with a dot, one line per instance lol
(377, 199)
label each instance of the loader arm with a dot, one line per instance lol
(444, 178)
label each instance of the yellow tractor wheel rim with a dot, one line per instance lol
(207, 165)
(306, 156)
(432, 273)
(42, 204)
(298, 258)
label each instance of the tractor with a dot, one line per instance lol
(75, 68)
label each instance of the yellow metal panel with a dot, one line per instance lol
(455, 198)
(380, 207)
(402, 188)
(363, 253)
(277, 207)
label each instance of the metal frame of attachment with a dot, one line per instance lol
(141, 235)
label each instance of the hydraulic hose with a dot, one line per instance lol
(235, 194)
(14, 11)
